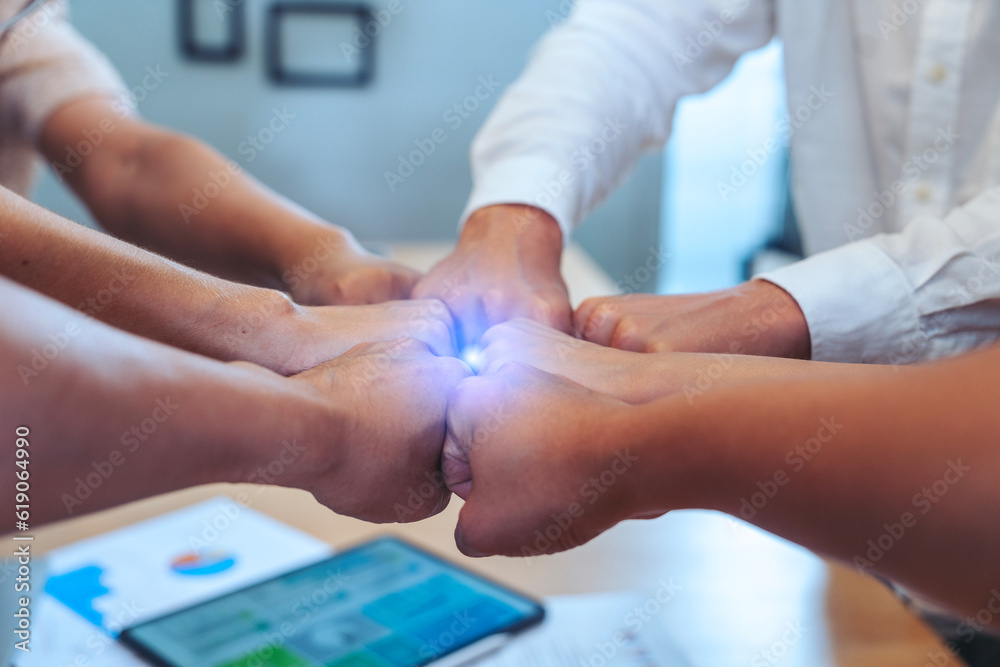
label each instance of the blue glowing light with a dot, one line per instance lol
(473, 355)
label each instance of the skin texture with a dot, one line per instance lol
(530, 451)
(506, 265)
(151, 296)
(636, 377)
(90, 406)
(137, 181)
(756, 318)
(140, 183)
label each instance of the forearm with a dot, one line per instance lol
(115, 418)
(138, 291)
(600, 89)
(906, 463)
(178, 197)
(660, 374)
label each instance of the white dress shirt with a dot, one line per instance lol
(895, 144)
(44, 64)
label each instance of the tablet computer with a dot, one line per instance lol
(385, 603)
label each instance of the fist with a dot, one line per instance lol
(339, 272)
(624, 375)
(380, 459)
(537, 459)
(506, 265)
(753, 318)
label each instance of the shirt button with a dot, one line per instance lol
(924, 193)
(938, 73)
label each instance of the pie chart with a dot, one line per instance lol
(200, 565)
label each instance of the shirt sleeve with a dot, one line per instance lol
(928, 292)
(45, 63)
(599, 90)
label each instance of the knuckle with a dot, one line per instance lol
(439, 309)
(602, 314)
(409, 345)
(494, 366)
(497, 349)
(426, 289)
(657, 345)
(496, 303)
(606, 310)
(382, 278)
(626, 334)
(512, 370)
(438, 330)
(503, 330)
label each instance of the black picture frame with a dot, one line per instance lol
(282, 75)
(235, 47)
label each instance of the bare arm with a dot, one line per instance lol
(113, 418)
(641, 377)
(178, 197)
(144, 293)
(905, 462)
(599, 90)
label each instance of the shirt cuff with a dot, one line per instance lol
(532, 181)
(857, 302)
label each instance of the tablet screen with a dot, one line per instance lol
(383, 604)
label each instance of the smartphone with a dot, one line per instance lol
(385, 603)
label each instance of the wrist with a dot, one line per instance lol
(625, 456)
(777, 310)
(286, 432)
(675, 462)
(513, 222)
(259, 326)
(314, 247)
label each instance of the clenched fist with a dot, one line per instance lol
(538, 461)
(756, 318)
(386, 404)
(506, 265)
(334, 270)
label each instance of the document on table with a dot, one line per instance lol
(97, 586)
(596, 630)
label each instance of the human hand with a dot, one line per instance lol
(634, 377)
(377, 458)
(539, 461)
(629, 376)
(335, 270)
(757, 318)
(288, 338)
(506, 265)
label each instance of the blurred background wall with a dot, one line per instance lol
(336, 144)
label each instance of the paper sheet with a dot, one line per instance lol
(170, 562)
(98, 585)
(598, 630)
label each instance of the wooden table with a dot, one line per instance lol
(745, 597)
